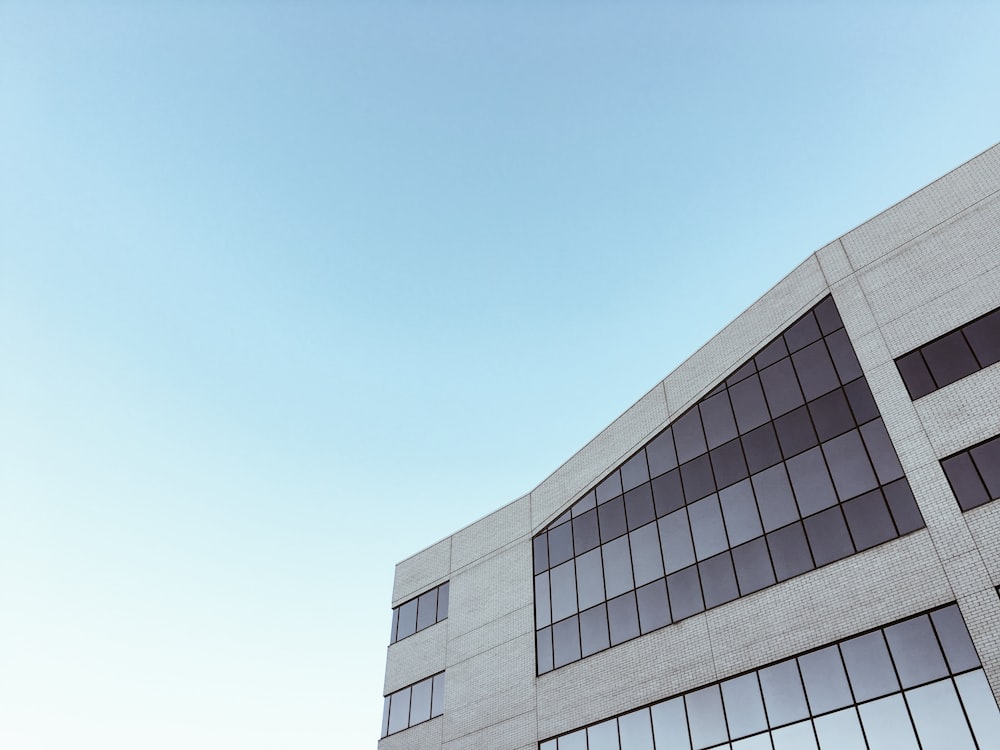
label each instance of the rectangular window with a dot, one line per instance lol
(974, 474)
(419, 613)
(413, 705)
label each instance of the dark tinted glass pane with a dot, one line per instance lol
(802, 333)
(611, 517)
(685, 593)
(584, 504)
(623, 618)
(753, 566)
(984, 337)
(869, 666)
(399, 710)
(986, 457)
(639, 506)
(420, 702)
(562, 581)
(667, 493)
(955, 640)
(789, 551)
(590, 579)
(609, 488)
(903, 506)
(744, 706)
(795, 432)
(811, 482)
(653, 610)
(647, 565)
(783, 694)
(565, 642)
(869, 520)
(437, 702)
(831, 414)
(771, 353)
(594, 630)
(617, 566)
(634, 471)
(826, 683)
(395, 624)
(859, 396)
(717, 416)
(660, 453)
(852, 471)
(407, 620)
(915, 651)
(774, 497)
(781, 387)
(560, 544)
(543, 602)
(443, 590)
(585, 535)
(543, 644)
(965, 482)
(675, 540)
(815, 370)
(728, 464)
(688, 436)
(562, 519)
(828, 537)
(718, 580)
(881, 451)
(696, 476)
(748, 404)
(740, 513)
(427, 609)
(761, 448)
(827, 315)
(707, 528)
(916, 377)
(705, 716)
(949, 359)
(844, 358)
(541, 549)
(745, 371)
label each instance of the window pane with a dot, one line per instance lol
(611, 519)
(688, 436)
(796, 737)
(783, 694)
(744, 706)
(639, 506)
(789, 551)
(840, 731)
(795, 432)
(815, 370)
(852, 471)
(617, 567)
(623, 617)
(654, 613)
(407, 619)
(760, 742)
(675, 539)
(728, 464)
(986, 457)
(670, 727)
(443, 592)
(541, 552)
(385, 716)
(965, 482)
(399, 710)
(667, 493)
(781, 388)
(685, 594)
(420, 702)
(903, 506)
(696, 476)
(745, 371)
(543, 608)
(828, 536)
(859, 396)
(761, 448)
(590, 579)
(740, 512)
(887, 724)
(575, 741)
(563, 588)
(565, 642)
(844, 358)
(980, 706)
(748, 404)
(707, 528)
(543, 645)
(585, 503)
(560, 544)
(437, 701)
(771, 353)
(882, 453)
(984, 337)
(955, 640)
(753, 566)
(828, 317)
(585, 535)
(811, 482)
(826, 683)
(774, 497)
(916, 377)
(635, 731)
(717, 416)
(949, 359)
(609, 488)
(802, 333)
(831, 414)
(603, 736)
(869, 666)
(938, 716)
(395, 625)
(647, 565)
(634, 471)
(708, 723)
(594, 630)
(869, 520)
(427, 609)
(915, 651)
(718, 580)
(660, 453)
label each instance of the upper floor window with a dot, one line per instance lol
(419, 613)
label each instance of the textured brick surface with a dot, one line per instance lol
(925, 266)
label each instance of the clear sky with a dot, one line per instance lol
(291, 290)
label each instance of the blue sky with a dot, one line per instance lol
(289, 291)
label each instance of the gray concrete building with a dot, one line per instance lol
(792, 541)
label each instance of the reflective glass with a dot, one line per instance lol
(849, 465)
(789, 551)
(407, 620)
(739, 509)
(802, 333)
(685, 593)
(623, 618)
(748, 404)
(562, 583)
(795, 432)
(594, 634)
(560, 544)
(815, 370)
(761, 448)
(443, 591)
(574, 741)
(831, 415)
(774, 497)
(660, 453)
(647, 564)
(437, 701)
(385, 716)
(587, 502)
(718, 579)
(783, 693)
(667, 493)
(916, 377)
(980, 707)
(635, 731)
(955, 640)
(859, 396)
(395, 625)
(565, 642)
(781, 388)
(745, 371)
(543, 608)
(420, 702)
(887, 724)
(399, 710)
(654, 611)
(728, 464)
(795, 737)
(617, 567)
(540, 545)
(639, 506)
(603, 736)
(609, 488)
(675, 540)
(828, 536)
(828, 316)
(938, 717)
(987, 460)
(869, 666)
(915, 651)
(427, 609)
(825, 680)
(903, 506)
(811, 482)
(689, 436)
(869, 520)
(965, 482)
(543, 650)
(753, 566)
(717, 416)
(882, 453)
(590, 579)
(844, 358)
(585, 534)
(635, 471)
(670, 728)
(760, 742)
(707, 527)
(705, 716)
(611, 519)
(949, 359)
(744, 706)
(840, 731)
(983, 336)
(696, 476)
(771, 353)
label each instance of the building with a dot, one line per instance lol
(789, 541)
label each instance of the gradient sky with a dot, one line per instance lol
(291, 290)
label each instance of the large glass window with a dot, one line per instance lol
(420, 612)
(974, 474)
(785, 466)
(917, 683)
(413, 705)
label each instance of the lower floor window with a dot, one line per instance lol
(413, 705)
